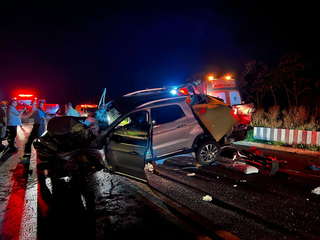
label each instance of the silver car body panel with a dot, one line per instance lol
(170, 137)
(175, 136)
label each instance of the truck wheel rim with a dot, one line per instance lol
(208, 153)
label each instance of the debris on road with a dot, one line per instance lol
(207, 198)
(253, 156)
(149, 167)
(313, 166)
(316, 191)
(279, 161)
(191, 174)
(247, 169)
(255, 151)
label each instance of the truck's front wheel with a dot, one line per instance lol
(208, 153)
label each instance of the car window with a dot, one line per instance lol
(221, 95)
(133, 130)
(166, 114)
(137, 117)
(234, 98)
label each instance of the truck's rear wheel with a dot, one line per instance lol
(208, 153)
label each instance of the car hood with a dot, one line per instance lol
(216, 116)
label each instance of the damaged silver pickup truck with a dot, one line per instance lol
(137, 128)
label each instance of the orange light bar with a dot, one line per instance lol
(90, 106)
(25, 95)
(228, 77)
(210, 78)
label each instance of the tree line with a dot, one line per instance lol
(290, 84)
(292, 78)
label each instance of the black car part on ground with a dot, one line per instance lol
(253, 159)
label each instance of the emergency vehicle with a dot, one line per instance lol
(85, 110)
(26, 100)
(225, 89)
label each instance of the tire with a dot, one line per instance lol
(208, 153)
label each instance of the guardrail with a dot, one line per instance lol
(289, 136)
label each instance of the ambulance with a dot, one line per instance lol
(225, 89)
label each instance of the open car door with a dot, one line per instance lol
(127, 149)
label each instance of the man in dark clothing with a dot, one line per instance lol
(3, 123)
(39, 126)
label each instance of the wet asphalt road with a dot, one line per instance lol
(111, 212)
(109, 209)
(255, 206)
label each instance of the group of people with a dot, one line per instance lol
(10, 120)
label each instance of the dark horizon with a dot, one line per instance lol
(71, 52)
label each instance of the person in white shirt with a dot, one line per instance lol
(13, 120)
(71, 111)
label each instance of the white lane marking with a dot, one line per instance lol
(28, 229)
(7, 171)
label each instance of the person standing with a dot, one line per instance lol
(39, 126)
(13, 118)
(3, 123)
(71, 111)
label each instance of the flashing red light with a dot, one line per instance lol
(25, 95)
(183, 91)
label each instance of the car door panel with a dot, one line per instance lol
(127, 158)
(127, 148)
(170, 137)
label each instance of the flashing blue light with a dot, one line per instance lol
(173, 91)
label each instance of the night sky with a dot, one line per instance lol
(72, 51)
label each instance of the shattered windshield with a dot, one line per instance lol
(107, 114)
